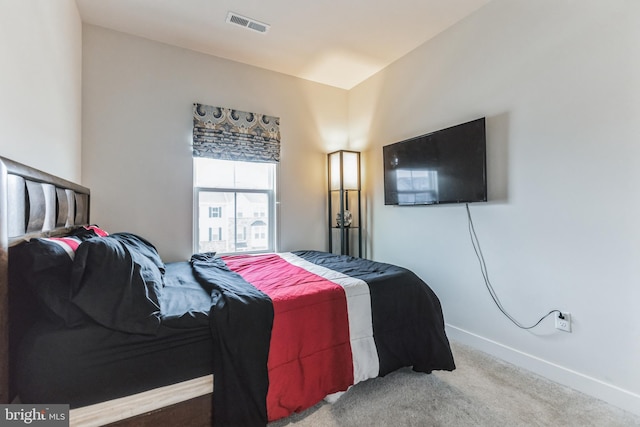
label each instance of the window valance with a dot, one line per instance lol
(226, 134)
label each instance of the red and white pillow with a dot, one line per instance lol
(71, 243)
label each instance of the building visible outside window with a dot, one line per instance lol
(229, 195)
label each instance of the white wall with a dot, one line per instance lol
(559, 83)
(40, 85)
(137, 122)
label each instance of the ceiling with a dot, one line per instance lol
(335, 42)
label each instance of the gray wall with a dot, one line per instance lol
(559, 83)
(557, 80)
(136, 132)
(40, 83)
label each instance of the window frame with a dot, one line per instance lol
(273, 213)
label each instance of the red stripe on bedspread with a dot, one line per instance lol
(310, 352)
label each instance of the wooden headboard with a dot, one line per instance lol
(32, 204)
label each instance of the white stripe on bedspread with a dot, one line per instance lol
(363, 347)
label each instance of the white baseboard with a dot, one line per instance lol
(609, 393)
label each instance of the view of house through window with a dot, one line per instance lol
(234, 206)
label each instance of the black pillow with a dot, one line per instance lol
(116, 280)
(44, 266)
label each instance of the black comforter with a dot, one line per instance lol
(155, 304)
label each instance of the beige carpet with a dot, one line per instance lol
(482, 391)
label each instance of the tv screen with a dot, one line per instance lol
(446, 166)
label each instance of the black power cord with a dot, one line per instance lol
(485, 274)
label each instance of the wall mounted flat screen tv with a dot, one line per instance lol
(446, 166)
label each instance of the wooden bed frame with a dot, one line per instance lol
(36, 204)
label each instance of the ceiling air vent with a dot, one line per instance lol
(243, 21)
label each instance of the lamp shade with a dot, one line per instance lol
(344, 170)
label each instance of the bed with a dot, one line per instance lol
(273, 333)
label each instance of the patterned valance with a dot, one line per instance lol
(226, 134)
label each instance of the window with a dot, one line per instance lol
(242, 234)
(215, 234)
(259, 230)
(225, 193)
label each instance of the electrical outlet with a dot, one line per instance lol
(563, 321)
